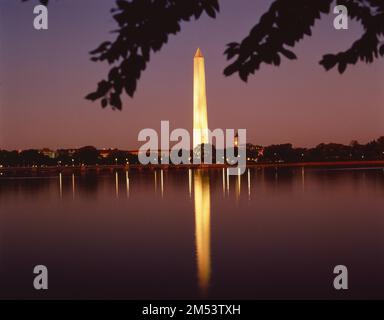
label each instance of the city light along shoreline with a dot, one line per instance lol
(98, 169)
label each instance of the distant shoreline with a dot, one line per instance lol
(101, 168)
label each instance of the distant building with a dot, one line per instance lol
(48, 153)
(105, 153)
(66, 152)
(254, 152)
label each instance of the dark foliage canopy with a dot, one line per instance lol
(145, 25)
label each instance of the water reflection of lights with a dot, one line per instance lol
(162, 182)
(127, 182)
(223, 182)
(61, 184)
(227, 181)
(155, 181)
(117, 184)
(238, 184)
(190, 182)
(73, 185)
(249, 184)
(202, 229)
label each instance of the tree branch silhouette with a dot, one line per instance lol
(286, 23)
(145, 25)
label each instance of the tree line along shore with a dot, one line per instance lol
(273, 155)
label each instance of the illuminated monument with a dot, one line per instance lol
(200, 117)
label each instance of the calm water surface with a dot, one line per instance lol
(194, 234)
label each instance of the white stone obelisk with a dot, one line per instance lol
(200, 117)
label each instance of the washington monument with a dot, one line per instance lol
(200, 117)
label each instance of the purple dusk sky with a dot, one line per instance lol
(44, 76)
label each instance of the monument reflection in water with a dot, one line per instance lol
(203, 228)
(269, 233)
